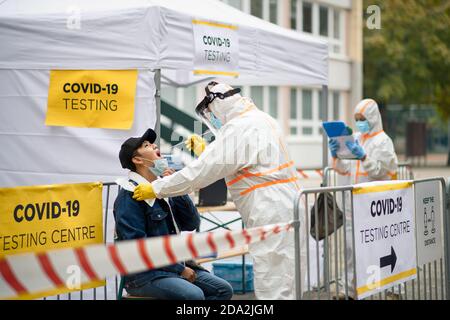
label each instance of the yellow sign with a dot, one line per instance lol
(39, 218)
(91, 98)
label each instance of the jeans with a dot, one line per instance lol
(206, 287)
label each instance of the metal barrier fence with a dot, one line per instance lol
(109, 291)
(332, 178)
(329, 274)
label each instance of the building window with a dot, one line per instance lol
(306, 111)
(266, 99)
(336, 40)
(264, 9)
(320, 20)
(273, 11)
(235, 3)
(302, 118)
(256, 8)
(336, 24)
(323, 21)
(307, 131)
(293, 131)
(307, 105)
(257, 95)
(294, 14)
(307, 17)
(273, 101)
(293, 104)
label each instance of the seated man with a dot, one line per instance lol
(159, 217)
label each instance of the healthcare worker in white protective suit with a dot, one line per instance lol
(375, 161)
(249, 152)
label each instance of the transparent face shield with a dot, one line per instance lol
(208, 118)
(204, 112)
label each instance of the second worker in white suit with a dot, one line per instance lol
(249, 152)
(376, 160)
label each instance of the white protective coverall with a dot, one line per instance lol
(381, 160)
(380, 164)
(250, 154)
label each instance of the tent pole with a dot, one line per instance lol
(325, 118)
(158, 105)
(326, 275)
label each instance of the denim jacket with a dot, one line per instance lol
(139, 219)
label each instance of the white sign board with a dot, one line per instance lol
(216, 49)
(385, 246)
(428, 221)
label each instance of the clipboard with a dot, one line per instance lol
(339, 131)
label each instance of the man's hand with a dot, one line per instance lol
(189, 274)
(168, 172)
(196, 143)
(144, 191)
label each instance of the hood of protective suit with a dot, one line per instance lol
(369, 109)
(228, 108)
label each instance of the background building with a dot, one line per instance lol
(297, 108)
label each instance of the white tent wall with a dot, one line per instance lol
(37, 37)
(32, 153)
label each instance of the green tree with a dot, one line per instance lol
(407, 61)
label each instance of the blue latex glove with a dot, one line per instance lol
(333, 144)
(356, 149)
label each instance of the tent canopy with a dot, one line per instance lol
(151, 34)
(39, 36)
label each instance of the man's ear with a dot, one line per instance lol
(137, 161)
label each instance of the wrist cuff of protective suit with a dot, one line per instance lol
(179, 268)
(156, 186)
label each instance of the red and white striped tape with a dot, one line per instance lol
(310, 174)
(32, 273)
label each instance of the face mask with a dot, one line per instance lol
(363, 126)
(160, 166)
(215, 121)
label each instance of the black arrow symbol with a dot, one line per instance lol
(389, 260)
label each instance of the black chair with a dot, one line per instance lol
(213, 195)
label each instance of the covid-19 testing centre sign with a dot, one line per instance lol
(384, 232)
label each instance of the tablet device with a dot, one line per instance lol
(339, 131)
(335, 129)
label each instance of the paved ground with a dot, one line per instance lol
(432, 160)
(247, 296)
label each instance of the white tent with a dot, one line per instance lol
(39, 36)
